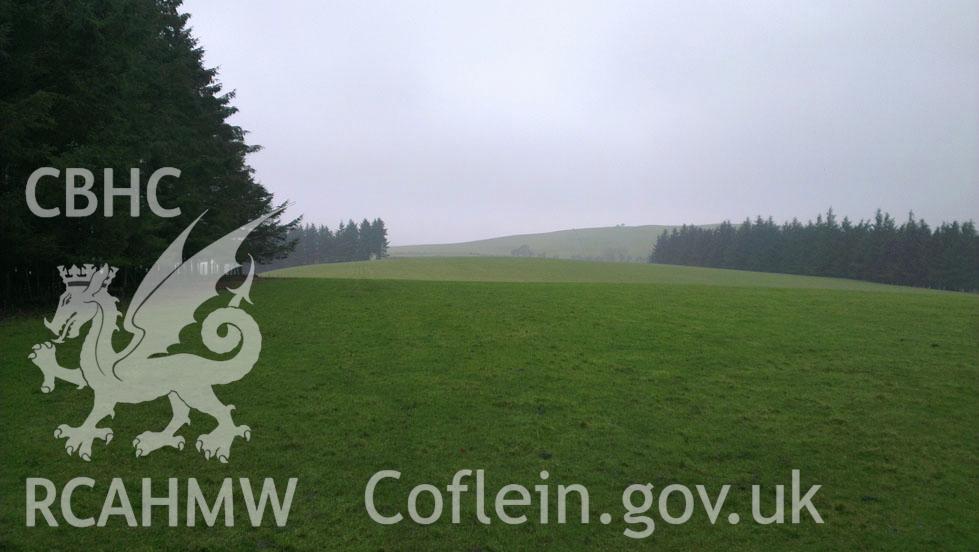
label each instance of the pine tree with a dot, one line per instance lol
(876, 250)
(118, 84)
(379, 239)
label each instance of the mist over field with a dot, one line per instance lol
(464, 121)
(485, 276)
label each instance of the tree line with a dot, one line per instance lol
(878, 250)
(116, 84)
(349, 242)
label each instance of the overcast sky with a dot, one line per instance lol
(463, 120)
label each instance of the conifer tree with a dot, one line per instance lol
(878, 250)
(116, 84)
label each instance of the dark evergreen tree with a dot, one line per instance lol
(351, 242)
(878, 250)
(116, 84)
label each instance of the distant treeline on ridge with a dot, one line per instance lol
(350, 242)
(912, 254)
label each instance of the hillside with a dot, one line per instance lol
(497, 269)
(611, 243)
(870, 395)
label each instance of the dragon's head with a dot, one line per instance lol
(85, 293)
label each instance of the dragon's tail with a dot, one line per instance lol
(239, 328)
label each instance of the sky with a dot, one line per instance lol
(455, 121)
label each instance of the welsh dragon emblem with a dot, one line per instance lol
(163, 304)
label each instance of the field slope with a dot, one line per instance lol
(871, 395)
(501, 269)
(611, 243)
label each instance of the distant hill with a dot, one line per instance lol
(611, 243)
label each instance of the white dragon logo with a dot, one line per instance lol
(163, 304)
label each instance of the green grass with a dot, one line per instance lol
(630, 242)
(510, 269)
(872, 395)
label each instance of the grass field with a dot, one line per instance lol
(632, 242)
(504, 269)
(870, 394)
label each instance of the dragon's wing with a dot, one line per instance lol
(169, 261)
(173, 290)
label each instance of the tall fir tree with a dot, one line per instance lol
(877, 250)
(116, 84)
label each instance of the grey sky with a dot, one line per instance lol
(462, 120)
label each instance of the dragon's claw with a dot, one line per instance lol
(149, 441)
(79, 439)
(41, 349)
(217, 444)
(43, 356)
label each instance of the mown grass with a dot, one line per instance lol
(511, 269)
(872, 395)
